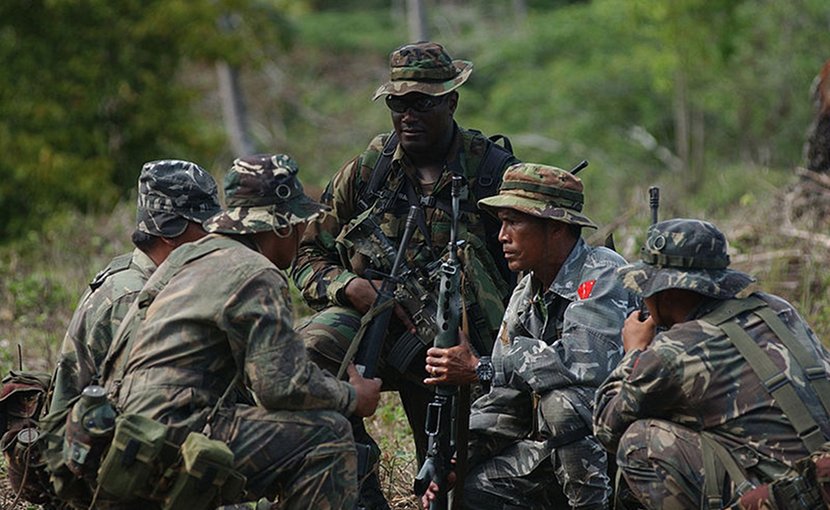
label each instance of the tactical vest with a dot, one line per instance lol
(489, 170)
(484, 257)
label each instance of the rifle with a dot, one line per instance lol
(654, 206)
(410, 287)
(371, 344)
(441, 421)
(376, 323)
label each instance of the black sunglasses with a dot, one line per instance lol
(422, 104)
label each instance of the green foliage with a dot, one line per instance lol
(732, 187)
(90, 92)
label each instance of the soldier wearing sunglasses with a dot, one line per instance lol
(412, 165)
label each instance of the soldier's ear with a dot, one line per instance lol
(452, 101)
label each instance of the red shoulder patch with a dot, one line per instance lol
(585, 288)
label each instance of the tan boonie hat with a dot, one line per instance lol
(542, 191)
(423, 67)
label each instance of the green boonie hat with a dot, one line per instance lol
(172, 192)
(684, 254)
(262, 193)
(423, 67)
(542, 191)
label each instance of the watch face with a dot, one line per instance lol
(484, 370)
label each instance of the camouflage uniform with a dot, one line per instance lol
(219, 310)
(530, 435)
(170, 192)
(691, 384)
(95, 322)
(328, 258)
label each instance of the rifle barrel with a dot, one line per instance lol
(582, 164)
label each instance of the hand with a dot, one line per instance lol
(362, 296)
(368, 392)
(456, 365)
(433, 490)
(638, 334)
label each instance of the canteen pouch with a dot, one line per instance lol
(133, 462)
(206, 475)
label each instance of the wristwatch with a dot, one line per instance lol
(484, 371)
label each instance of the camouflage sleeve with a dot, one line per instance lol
(258, 319)
(589, 346)
(318, 271)
(646, 384)
(87, 341)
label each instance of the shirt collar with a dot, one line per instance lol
(567, 280)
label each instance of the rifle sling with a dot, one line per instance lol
(361, 332)
(462, 426)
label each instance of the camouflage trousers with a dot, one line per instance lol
(662, 464)
(530, 474)
(305, 459)
(328, 335)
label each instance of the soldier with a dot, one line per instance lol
(530, 436)
(217, 312)
(413, 165)
(174, 198)
(729, 394)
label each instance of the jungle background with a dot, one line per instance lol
(709, 99)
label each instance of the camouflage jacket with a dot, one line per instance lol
(322, 272)
(224, 310)
(692, 375)
(566, 338)
(95, 322)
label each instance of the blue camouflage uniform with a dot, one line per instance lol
(531, 439)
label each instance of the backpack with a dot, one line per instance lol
(22, 397)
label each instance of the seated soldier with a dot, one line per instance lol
(731, 393)
(174, 198)
(217, 312)
(531, 441)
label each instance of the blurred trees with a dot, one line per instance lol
(641, 88)
(90, 90)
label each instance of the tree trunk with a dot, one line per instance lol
(233, 109)
(698, 148)
(681, 119)
(520, 11)
(417, 18)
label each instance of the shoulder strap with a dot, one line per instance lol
(165, 272)
(488, 178)
(813, 370)
(492, 165)
(774, 380)
(116, 265)
(710, 450)
(380, 171)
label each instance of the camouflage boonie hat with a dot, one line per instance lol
(684, 254)
(423, 67)
(542, 191)
(171, 192)
(263, 193)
